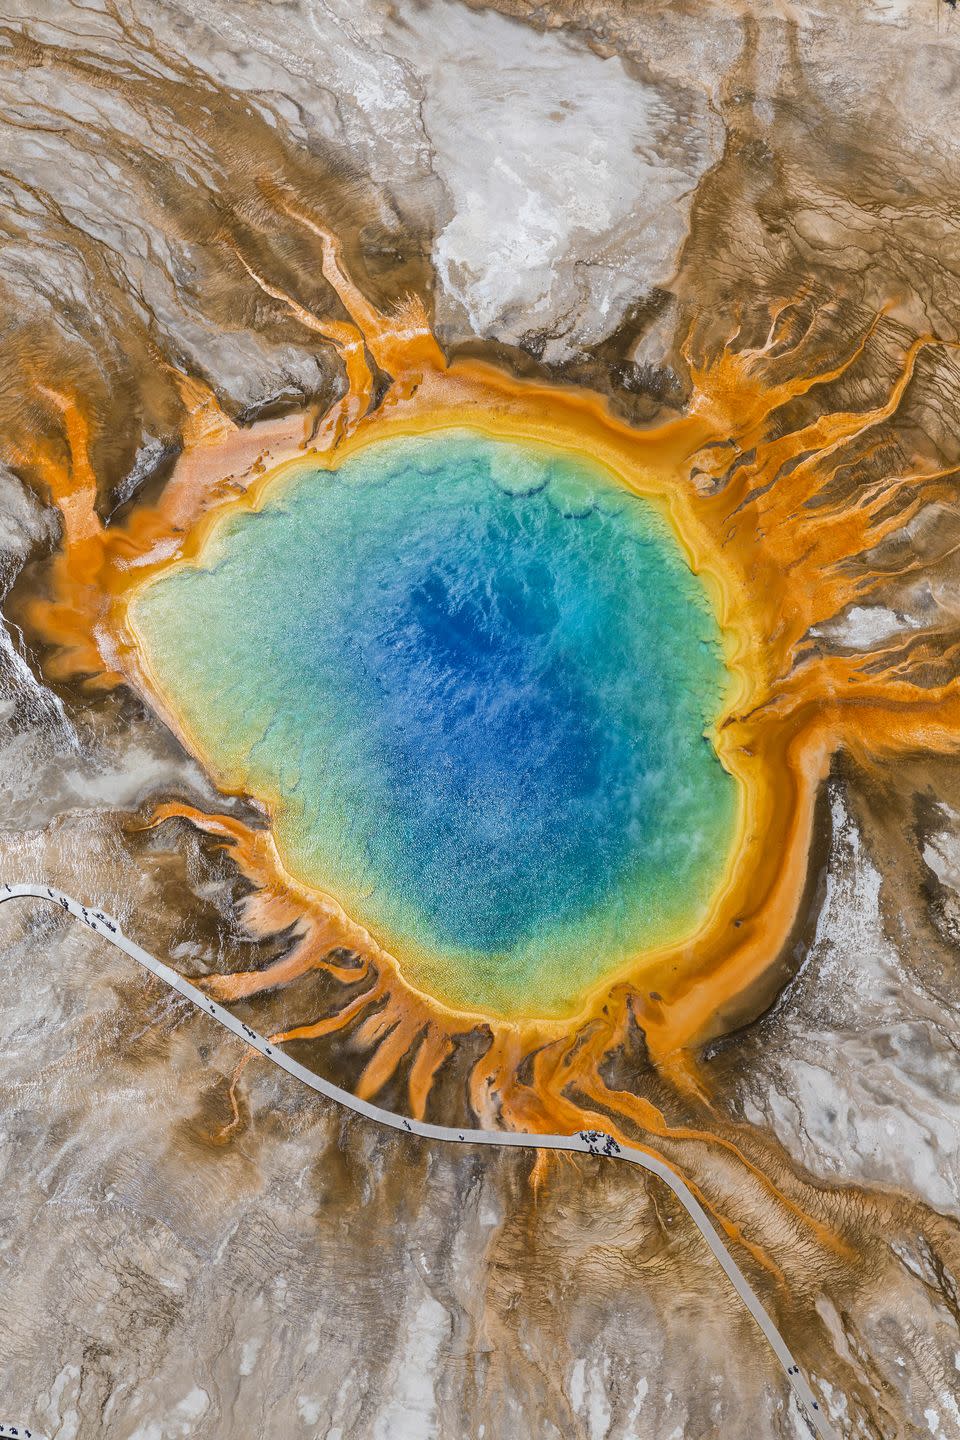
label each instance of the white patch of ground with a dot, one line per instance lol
(861, 627)
(858, 1074)
(566, 202)
(411, 1412)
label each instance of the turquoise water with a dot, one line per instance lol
(472, 678)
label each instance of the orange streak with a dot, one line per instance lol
(434, 1050)
(398, 1035)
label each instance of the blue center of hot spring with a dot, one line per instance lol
(472, 681)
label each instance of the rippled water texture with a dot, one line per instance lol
(472, 680)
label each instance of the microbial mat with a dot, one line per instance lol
(474, 682)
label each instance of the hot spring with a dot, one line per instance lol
(473, 681)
